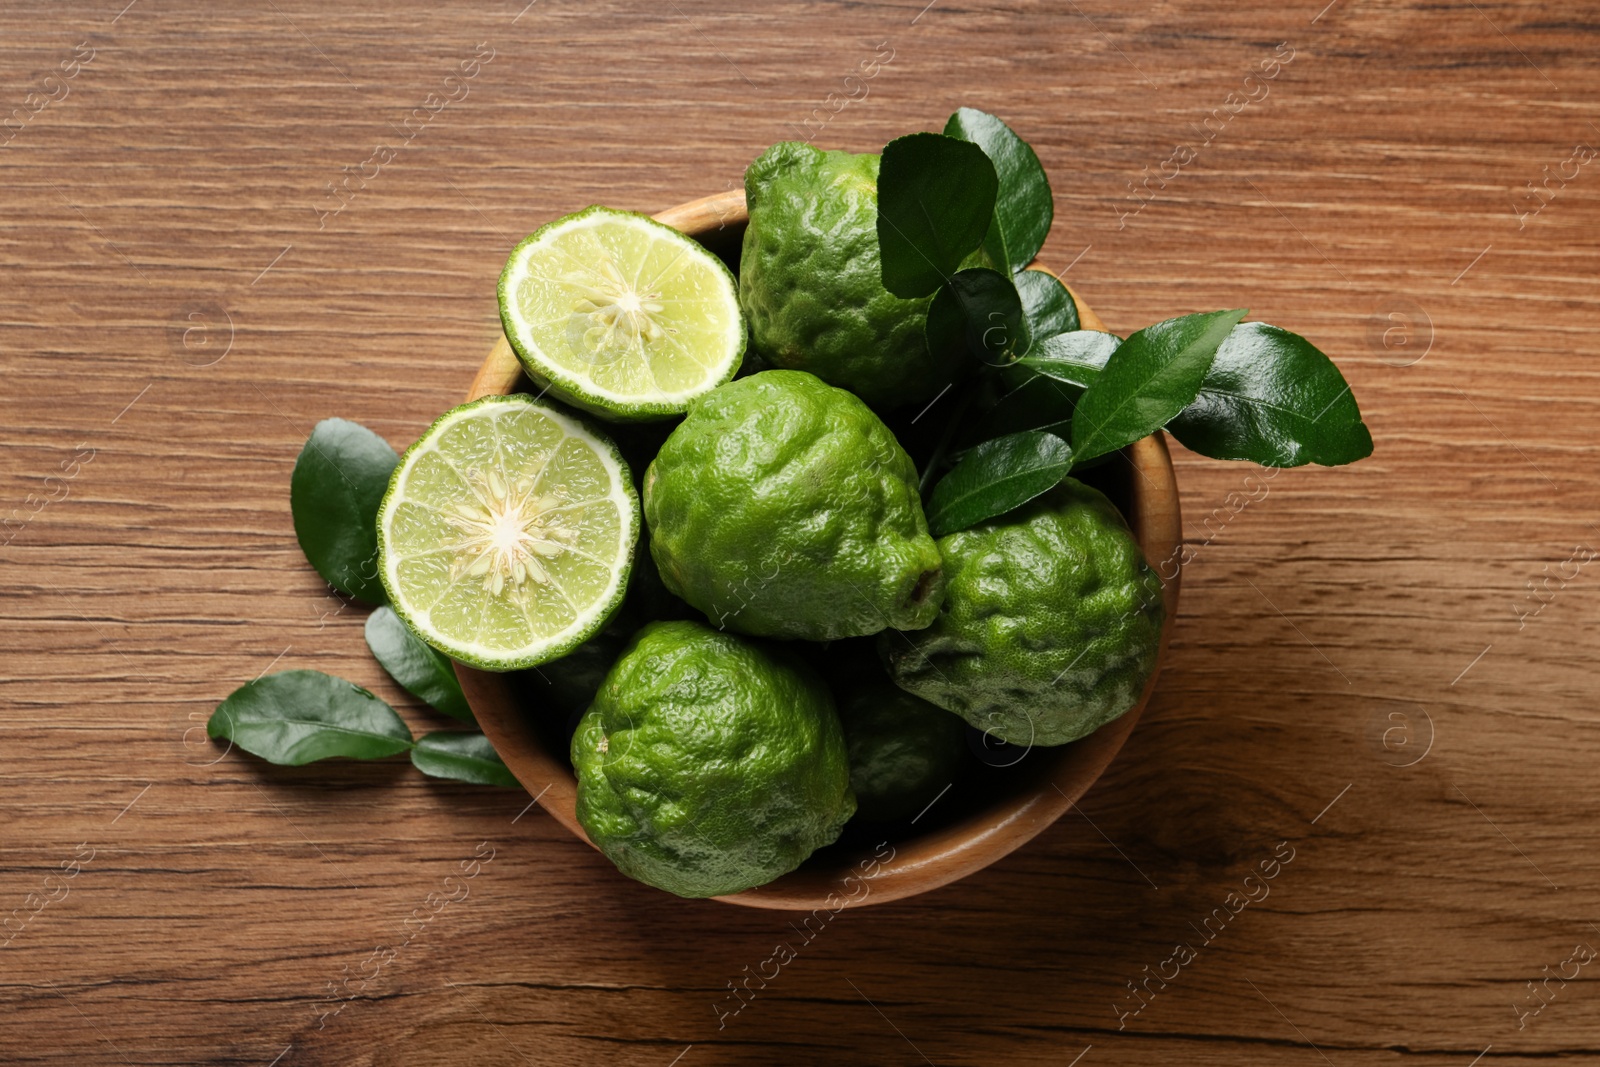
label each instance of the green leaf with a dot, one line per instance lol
(465, 757)
(338, 483)
(995, 477)
(422, 670)
(935, 199)
(1050, 308)
(1152, 376)
(1273, 398)
(298, 717)
(1074, 358)
(993, 248)
(983, 307)
(1023, 208)
(1036, 403)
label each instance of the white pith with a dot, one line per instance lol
(505, 531)
(618, 313)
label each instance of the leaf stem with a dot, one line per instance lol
(964, 402)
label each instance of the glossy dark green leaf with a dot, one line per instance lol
(1075, 359)
(993, 248)
(338, 483)
(1037, 403)
(995, 477)
(297, 717)
(1023, 208)
(1151, 376)
(465, 757)
(982, 306)
(935, 199)
(980, 257)
(422, 670)
(1271, 397)
(1049, 307)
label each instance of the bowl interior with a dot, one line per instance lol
(1010, 794)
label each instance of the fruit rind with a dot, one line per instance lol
(709, 764)
(810, 283)
(904, 752)
(1051, 623)
(783, 507)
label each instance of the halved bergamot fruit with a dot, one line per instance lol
(507, 534)
(621, 315)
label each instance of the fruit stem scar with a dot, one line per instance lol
(925, 583)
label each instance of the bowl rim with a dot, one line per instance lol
(922, 863)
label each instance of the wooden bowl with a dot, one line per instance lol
(1039, 789)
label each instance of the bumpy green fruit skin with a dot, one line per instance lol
(1050, 626)
(904, 751)
(810, 281)
(783, 507)
(709, 764)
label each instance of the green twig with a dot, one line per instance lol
(968, 390)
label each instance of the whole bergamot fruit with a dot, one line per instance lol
(708, 764)
(904, 751)
(811, 286)
(783, 507)
(1050, 625)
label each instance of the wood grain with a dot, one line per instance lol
(149, 565)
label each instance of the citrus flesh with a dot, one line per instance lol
(783, 507)
(709, 764)
(621, 315)
(810, 279)
(507, 535)
(1050, 626)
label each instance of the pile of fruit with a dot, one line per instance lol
(783, 544)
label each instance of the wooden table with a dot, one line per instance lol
(219, 226)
